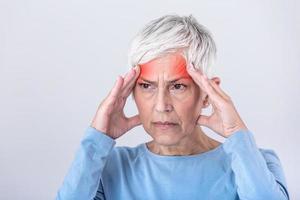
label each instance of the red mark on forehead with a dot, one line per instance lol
(147, 70)
(180, 71)
(174, 65)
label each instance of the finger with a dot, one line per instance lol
(203, 120)
(134, 121)
(128, 77)
(128, 88)
(114, 92)
(219, 90)
(206, 84)
(203, 82)
(196, 75)
(214, 107)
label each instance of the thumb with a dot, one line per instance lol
(134, 121)
(203, 120)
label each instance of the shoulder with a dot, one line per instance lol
(273, 163)
(124, 154)
(270, 156)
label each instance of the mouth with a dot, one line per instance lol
(164, 125)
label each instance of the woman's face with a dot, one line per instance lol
(164, 91)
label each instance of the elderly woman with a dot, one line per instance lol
(170, 81)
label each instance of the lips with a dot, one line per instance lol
(164, 125)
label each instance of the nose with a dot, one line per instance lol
(162, 102)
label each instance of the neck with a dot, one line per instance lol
(195, 143)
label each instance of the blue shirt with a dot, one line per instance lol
(236, 169)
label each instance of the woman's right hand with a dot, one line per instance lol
(110, 118)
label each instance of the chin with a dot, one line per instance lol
(166, 140)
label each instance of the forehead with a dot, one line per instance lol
(169, 66)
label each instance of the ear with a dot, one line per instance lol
(217, 80)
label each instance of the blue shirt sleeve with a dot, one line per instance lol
(258, 173)
(83, 178)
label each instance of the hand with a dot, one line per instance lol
(110, 118)
(225, 119)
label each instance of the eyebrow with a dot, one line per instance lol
(171, 81)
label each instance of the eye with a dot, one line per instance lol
(179, 86)
(144, 85)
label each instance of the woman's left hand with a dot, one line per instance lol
(225, 119)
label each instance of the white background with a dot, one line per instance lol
(59, 59)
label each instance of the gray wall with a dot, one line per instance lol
(59, 59)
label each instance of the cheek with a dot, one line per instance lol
(189, 109)
(185, 97)
(185, 110)
(189, 97)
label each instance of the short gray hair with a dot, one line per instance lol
(170, 34)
